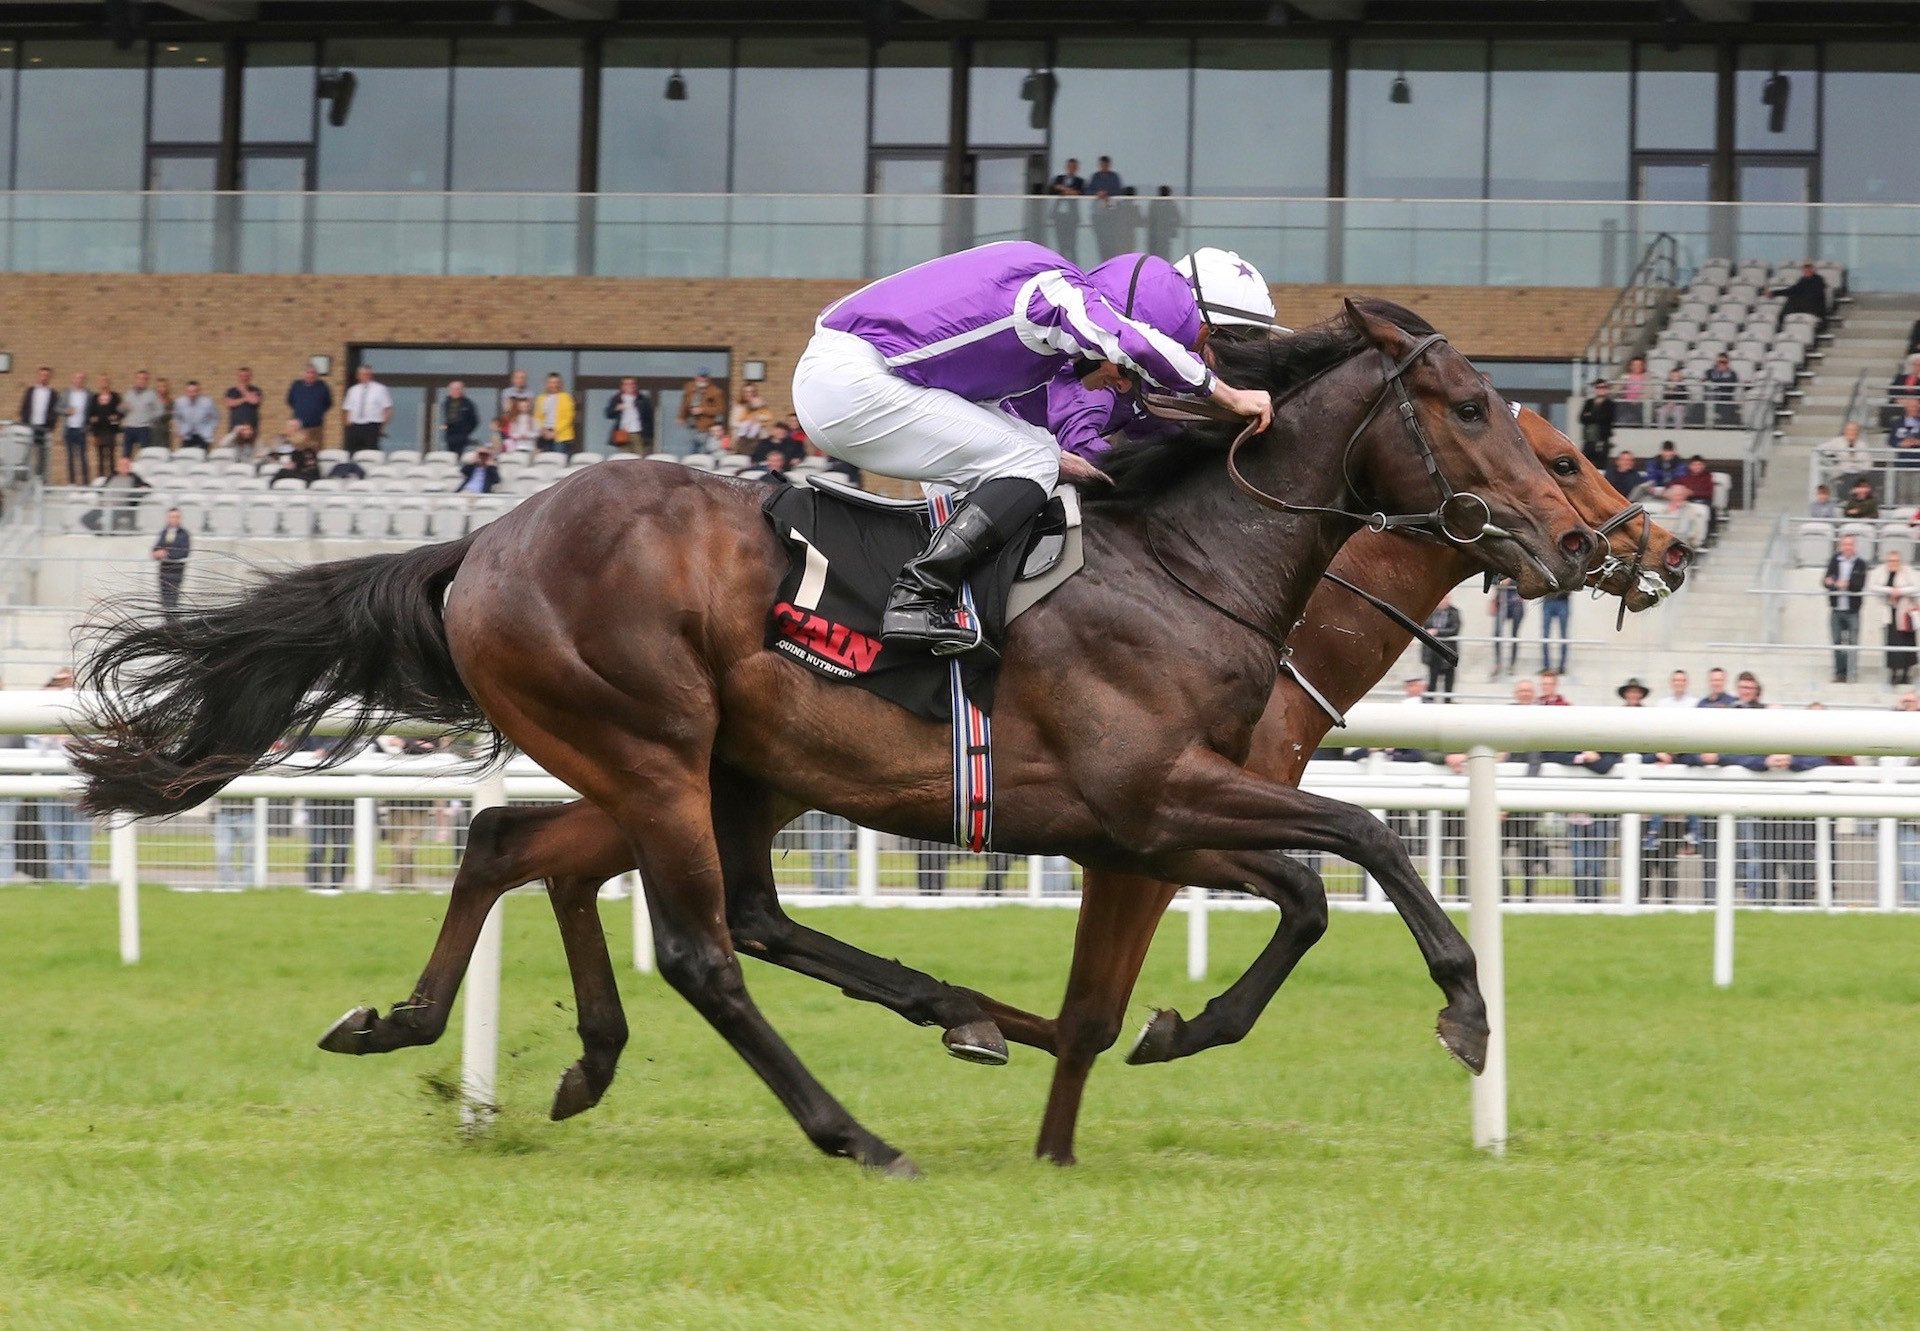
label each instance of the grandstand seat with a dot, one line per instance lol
(222, 453)
(224, 517)
(333, 514)
(442, 457)
(369, 457)
(1813, 544)
(1694, 311)
(583, 460)
(731, 462)
(698, 461)
(1747, 369)
(1895, 536)
(1681, 330)
(485, 509)
(1725, 331)
(1804, 334)
(1833, 275)
(751, 474)
(1722, 491)
(396, 456)
(410, 519)
(1707, 348)
(190, 453)
(331, 456)
(1672, 349)
(288, 508)
(1811, 321)
(1746, 292)
(153, 455)
(1750, 350)
(1717, 270)
(514, 458)
(450, 513)
(549, 458)
(1863, 534)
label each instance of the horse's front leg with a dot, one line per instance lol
(1208, 803)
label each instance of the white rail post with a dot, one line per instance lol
(1823, 862)
(1630, 833)
(1196, 933)
(1723, 903)
(480, 1016)
(1484, 929)
(260, 841)
(866, 865)
(363, 843)
(123, 849)
(1887, 861)
(1376, 768)
(642, 924)
(1436, 828)
(1036, 876)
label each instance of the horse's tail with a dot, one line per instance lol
(187, 703)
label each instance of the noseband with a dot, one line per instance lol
(1451, 519)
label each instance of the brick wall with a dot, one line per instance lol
(201, 327)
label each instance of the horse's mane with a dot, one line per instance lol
(1143, 469)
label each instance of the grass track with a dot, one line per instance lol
(175, 1152)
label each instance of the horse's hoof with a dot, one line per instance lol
(1155, 1043)
(349, 1034)
(977, 1042)
(901, 1167)
(1465, 1040)
(573, 1095)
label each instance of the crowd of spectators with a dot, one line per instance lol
(1112, 211)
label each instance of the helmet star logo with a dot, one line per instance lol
(1242, 269)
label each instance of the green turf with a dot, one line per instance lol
(174, 1152)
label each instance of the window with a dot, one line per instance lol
(1559, 120)
(997, 114)
(1775, 74)
(187, 81)
(1673, 98)
(276, 93)
(800, 117)
(395, 137)
(516, 115)
(7, 90)
(649, 145)
(912, 91)
(82, 117)
(1260, 118)
(1864, 90)
(1126, 100)
(1431, 144)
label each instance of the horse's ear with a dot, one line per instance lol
(1383, 333)
(1355, 320)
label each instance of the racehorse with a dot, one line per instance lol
(1341, 641)
(1122, 711)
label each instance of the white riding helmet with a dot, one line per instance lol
(1230, 290)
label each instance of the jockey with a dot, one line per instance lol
(1230, 293)
(903, 377)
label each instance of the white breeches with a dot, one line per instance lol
(854, 408)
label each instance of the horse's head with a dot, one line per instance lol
(1441, 442)
(1644, 563)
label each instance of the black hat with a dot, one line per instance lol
(1630, 685)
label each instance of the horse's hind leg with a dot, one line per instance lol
(1302, 899)
(505, 847)
(1118, 916)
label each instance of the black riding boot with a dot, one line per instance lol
(921, 608)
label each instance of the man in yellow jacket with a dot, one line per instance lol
(553, 410)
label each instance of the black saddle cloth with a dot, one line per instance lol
(827, 616)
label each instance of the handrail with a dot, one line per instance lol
(1658, 271)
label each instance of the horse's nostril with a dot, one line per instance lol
(1576, 544)
(1678, 556)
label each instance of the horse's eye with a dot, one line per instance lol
(1469, 411)
(1565, 466)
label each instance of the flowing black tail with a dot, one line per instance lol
(187, 704)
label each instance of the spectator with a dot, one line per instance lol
(1596, 423)
(1723, 392)
(139, 410)
(171, 550)
(1717, 695)
(1822, 505)
(774, 468)
(1907, 382)
(480, 476)
(163, 424)
(1589, 835)
(119, 496)
(243, 404)
(1546, 689)
(39, 412)
(232, 843)
(299, 461)
(309, 400)
(406, 821)
(104, 414)
(195, 418)
(73, 418)
(349, 470)
(1112, 208)
(1443, 624)
(776, 439)
(515, 392)
(1846, 578)
(1860, 501)
(1508, 611)
(1636, 390)
(1105, 182)
(67, 831)
(932, 863)
(1902, 591)
(1697, 481)
(1844, 453)
(1554, 611)
(1681, 515)
(1679, 694)
(1666, 466)
(750, 418)
(1806, 295)
(368, 409)
(459, 418)
(1905, 434)
(241, 440)
(1067, 188)
(553, 410)
(702, 405)
(1624, 475)
(1676, 401)
(329, 831)
(1521, 831)
(1163, 223)
(716, 442)
(631, 412)
(520, 431)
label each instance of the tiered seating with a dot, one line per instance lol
(1893, 531)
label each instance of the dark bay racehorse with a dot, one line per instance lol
(1341, 643)
(611, 628)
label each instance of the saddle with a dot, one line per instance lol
(845, 547)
